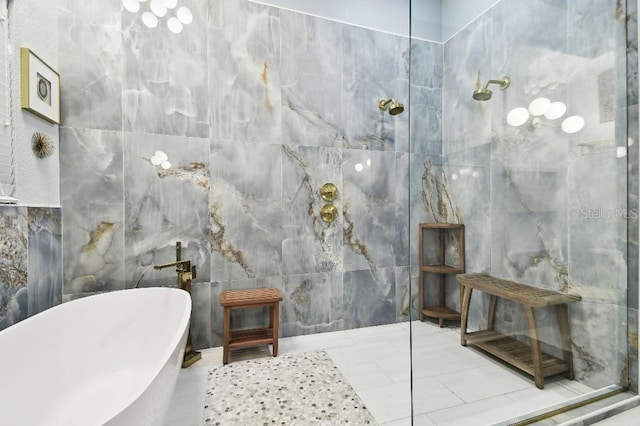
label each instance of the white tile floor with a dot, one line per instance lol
(453, 385)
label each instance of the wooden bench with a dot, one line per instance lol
(254, 298)
(527, 358)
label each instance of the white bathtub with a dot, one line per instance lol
(108, 359)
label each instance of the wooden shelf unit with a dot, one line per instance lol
(441, 231)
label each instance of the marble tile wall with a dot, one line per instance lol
(30, 261)
(256, 108)
(535, 221)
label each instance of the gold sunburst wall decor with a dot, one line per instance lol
(42, 145)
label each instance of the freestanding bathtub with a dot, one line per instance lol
(107, 359)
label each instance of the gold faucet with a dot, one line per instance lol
(186, 273)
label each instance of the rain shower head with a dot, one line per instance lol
(484, 94)
(395, 108)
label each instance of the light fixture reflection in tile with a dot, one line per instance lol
(161, 155)
(555, 111)
(155, 160)
(573, 124)
(158, 8)
(517, 116)
(539, 106)
(621, 151)
(165, 165)
(184, 15)
(454, 176)
(149, 19)
(359, 167)
(132, 6)
(175, 26)
(170, 4)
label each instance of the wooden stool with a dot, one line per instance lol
(255, 298)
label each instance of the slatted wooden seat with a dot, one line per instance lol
(254, 298)
(529, 359)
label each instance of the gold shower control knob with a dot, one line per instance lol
(329, 192)
(329, 213)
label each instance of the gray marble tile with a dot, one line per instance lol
(627, 47)
(599, 335)
(598, 267)
(529, 225)
(244, 72)
(632, 196)
(632, 348)
(468, 174)
(467, 64)
(164, 206)
(403, 225)
(431, 199)
(369, 209)
(313, 303)
(165, 85)
(591, 31)
(245, 212)
(369, 297)
(311, 77)
(310, 244)
(369, 74)
(90, 63)
(202, 306)
(45, 258)
(426, 97)
(14, 303)
(92, 190)
(406, 295)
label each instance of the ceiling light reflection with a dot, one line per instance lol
(132, 6)
(573, 124)
(555, 111)
(517, 116)
(539, 106)
(149, 19)
(158, 8)
(184, 15)
(174, 25)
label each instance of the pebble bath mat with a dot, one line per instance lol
(296, 389)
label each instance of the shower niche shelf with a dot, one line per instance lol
(434, 240)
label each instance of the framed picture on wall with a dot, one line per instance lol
(39, 87)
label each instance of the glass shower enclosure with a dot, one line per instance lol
(519, 118)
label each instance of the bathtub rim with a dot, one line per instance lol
(164, 356)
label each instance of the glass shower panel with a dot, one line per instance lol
(536, 170)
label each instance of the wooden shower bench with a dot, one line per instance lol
(529, 359)
(254, 298)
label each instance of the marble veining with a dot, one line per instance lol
(13, 262)
(310, 244)
(44, 269)
(436, 198)
(257, 107)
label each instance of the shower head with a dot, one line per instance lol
(395, 108)
(484, 94)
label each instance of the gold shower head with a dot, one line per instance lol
(484, 94)
(395, 108)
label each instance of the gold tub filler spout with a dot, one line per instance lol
(186, 273)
